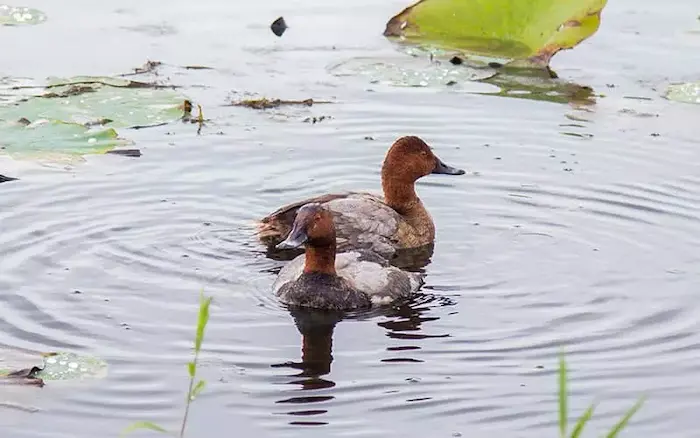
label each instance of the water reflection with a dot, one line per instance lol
(316, 328)
(403, 321)
(538, 85)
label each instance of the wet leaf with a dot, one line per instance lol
(35, 369)
(20, 15)
(71, 366)
(687, 92)
(508, 30)
(20, 367)
(48, 137)
(79, 115)
(147, 425)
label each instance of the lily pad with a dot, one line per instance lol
(31, 369)
(79, 115)
(20, 15)
(530, 31)
(687, 92)
(412, 72)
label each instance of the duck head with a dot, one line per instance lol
(313, 226)
(411, 158)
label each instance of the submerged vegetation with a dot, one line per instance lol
(195, 386)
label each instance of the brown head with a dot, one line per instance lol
(408, 160)
(313, 227)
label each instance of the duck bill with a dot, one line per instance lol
(442, 168)
(296, 238)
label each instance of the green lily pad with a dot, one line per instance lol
(79, 115)
(46, 137)
(20, 15)
(688, 92)
(70, 366)
(503, 30)
(37, 369)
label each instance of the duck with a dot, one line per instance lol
(323, 279)
(383, 225)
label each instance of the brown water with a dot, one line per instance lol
(573, 227)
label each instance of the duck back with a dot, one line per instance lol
(362, 271)
(362, 221)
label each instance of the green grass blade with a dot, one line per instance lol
(142, 425)
(199, 387)
(581, 423)
(202, 321)
(563, 408)
(191, 368)
(623, 422)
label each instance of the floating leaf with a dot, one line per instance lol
(506, 30)
(44, 136)
(78, 115)
(688, 92)
(35, 369)
(70, 366)
(20, 15)
(411, 72)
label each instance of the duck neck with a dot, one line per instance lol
(320, 258)
(401, 196)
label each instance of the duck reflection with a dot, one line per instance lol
(403, 322)
(316, 328)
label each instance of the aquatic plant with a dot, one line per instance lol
(20, 16)
(583, 420)
(527, 31)
(80, 115)
(194, 388)
(688, 92)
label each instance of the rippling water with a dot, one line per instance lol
(575, 226)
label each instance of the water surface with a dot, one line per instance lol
(576, 226)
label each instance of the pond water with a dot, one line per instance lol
(575, 227)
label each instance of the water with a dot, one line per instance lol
(575, 227)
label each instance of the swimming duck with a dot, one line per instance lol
(362, 220)
(322, 279)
